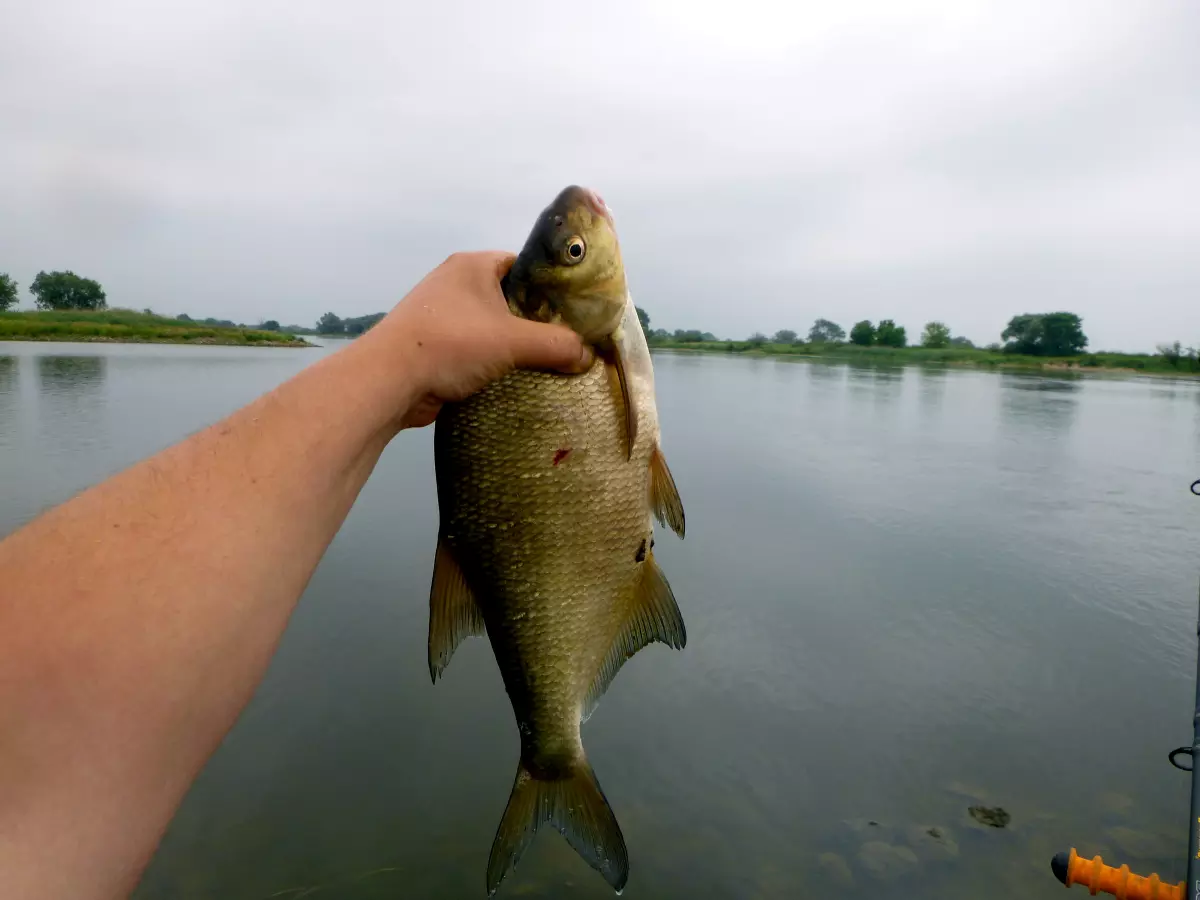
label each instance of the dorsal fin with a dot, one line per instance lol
(653, 616)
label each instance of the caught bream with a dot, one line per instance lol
(548, 485)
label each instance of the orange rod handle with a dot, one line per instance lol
(1121, 883)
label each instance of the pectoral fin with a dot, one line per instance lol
(664, 496)
(618, 355)
(453, 612)
(653, 616)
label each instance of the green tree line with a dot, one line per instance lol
(1030, 334)
(55, 290)
(1050, 334)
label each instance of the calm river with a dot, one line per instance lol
(907, 592)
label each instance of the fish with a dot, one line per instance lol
(548, 486)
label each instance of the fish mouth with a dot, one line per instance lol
(596, 204)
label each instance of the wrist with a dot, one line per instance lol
(389, 375)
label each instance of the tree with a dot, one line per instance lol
(784, 336)
(66, 290)
(330, 324)
(8, 292)
(1062, 334)
(935, 336)
(863, 333)
(826, 332)
(362, 324)
(269, 325)
(644, 318)
(962, 343)
(758, 339)
(691, 336)
(183, 317)
(1045, 334)
(889, 334)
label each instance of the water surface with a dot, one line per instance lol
(907, 591)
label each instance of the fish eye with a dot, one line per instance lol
(575, 249)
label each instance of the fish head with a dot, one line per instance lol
(570, 268)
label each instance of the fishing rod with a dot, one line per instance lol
(1070, 868)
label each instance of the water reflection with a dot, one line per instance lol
(8, 374)
(827, 372)
(71, 374)
(1049, 405)
(9, 386)
(881, 383)
(70, 389)
(931, 390)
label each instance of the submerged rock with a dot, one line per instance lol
(886, 861)
(993, 816)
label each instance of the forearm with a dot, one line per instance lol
(136, 620)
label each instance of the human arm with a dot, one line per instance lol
(137, 619)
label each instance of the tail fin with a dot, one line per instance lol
(574, 805)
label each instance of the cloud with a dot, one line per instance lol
(767, 162)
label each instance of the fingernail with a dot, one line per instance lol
(585, 358)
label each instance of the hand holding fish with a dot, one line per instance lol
(455, 335)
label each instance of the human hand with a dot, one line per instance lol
(456, 335)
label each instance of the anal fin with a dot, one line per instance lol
(664, 496)
(654, 616)
(453, 612)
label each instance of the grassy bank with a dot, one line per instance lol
(957, 356)
(127, 326)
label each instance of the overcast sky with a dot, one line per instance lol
(767, 163)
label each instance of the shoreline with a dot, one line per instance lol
(916, 356)
(298, 343)
(126, 326)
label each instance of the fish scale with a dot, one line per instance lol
(589, 510)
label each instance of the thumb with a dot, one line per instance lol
(536, 345)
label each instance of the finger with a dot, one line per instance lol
(497, 263)
(502, 261)
(536, 345)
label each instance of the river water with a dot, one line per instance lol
(907, 592)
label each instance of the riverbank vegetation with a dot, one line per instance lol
(127, 326)
(1045, 341)
(71, 307)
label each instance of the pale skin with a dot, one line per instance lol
(137, 619)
